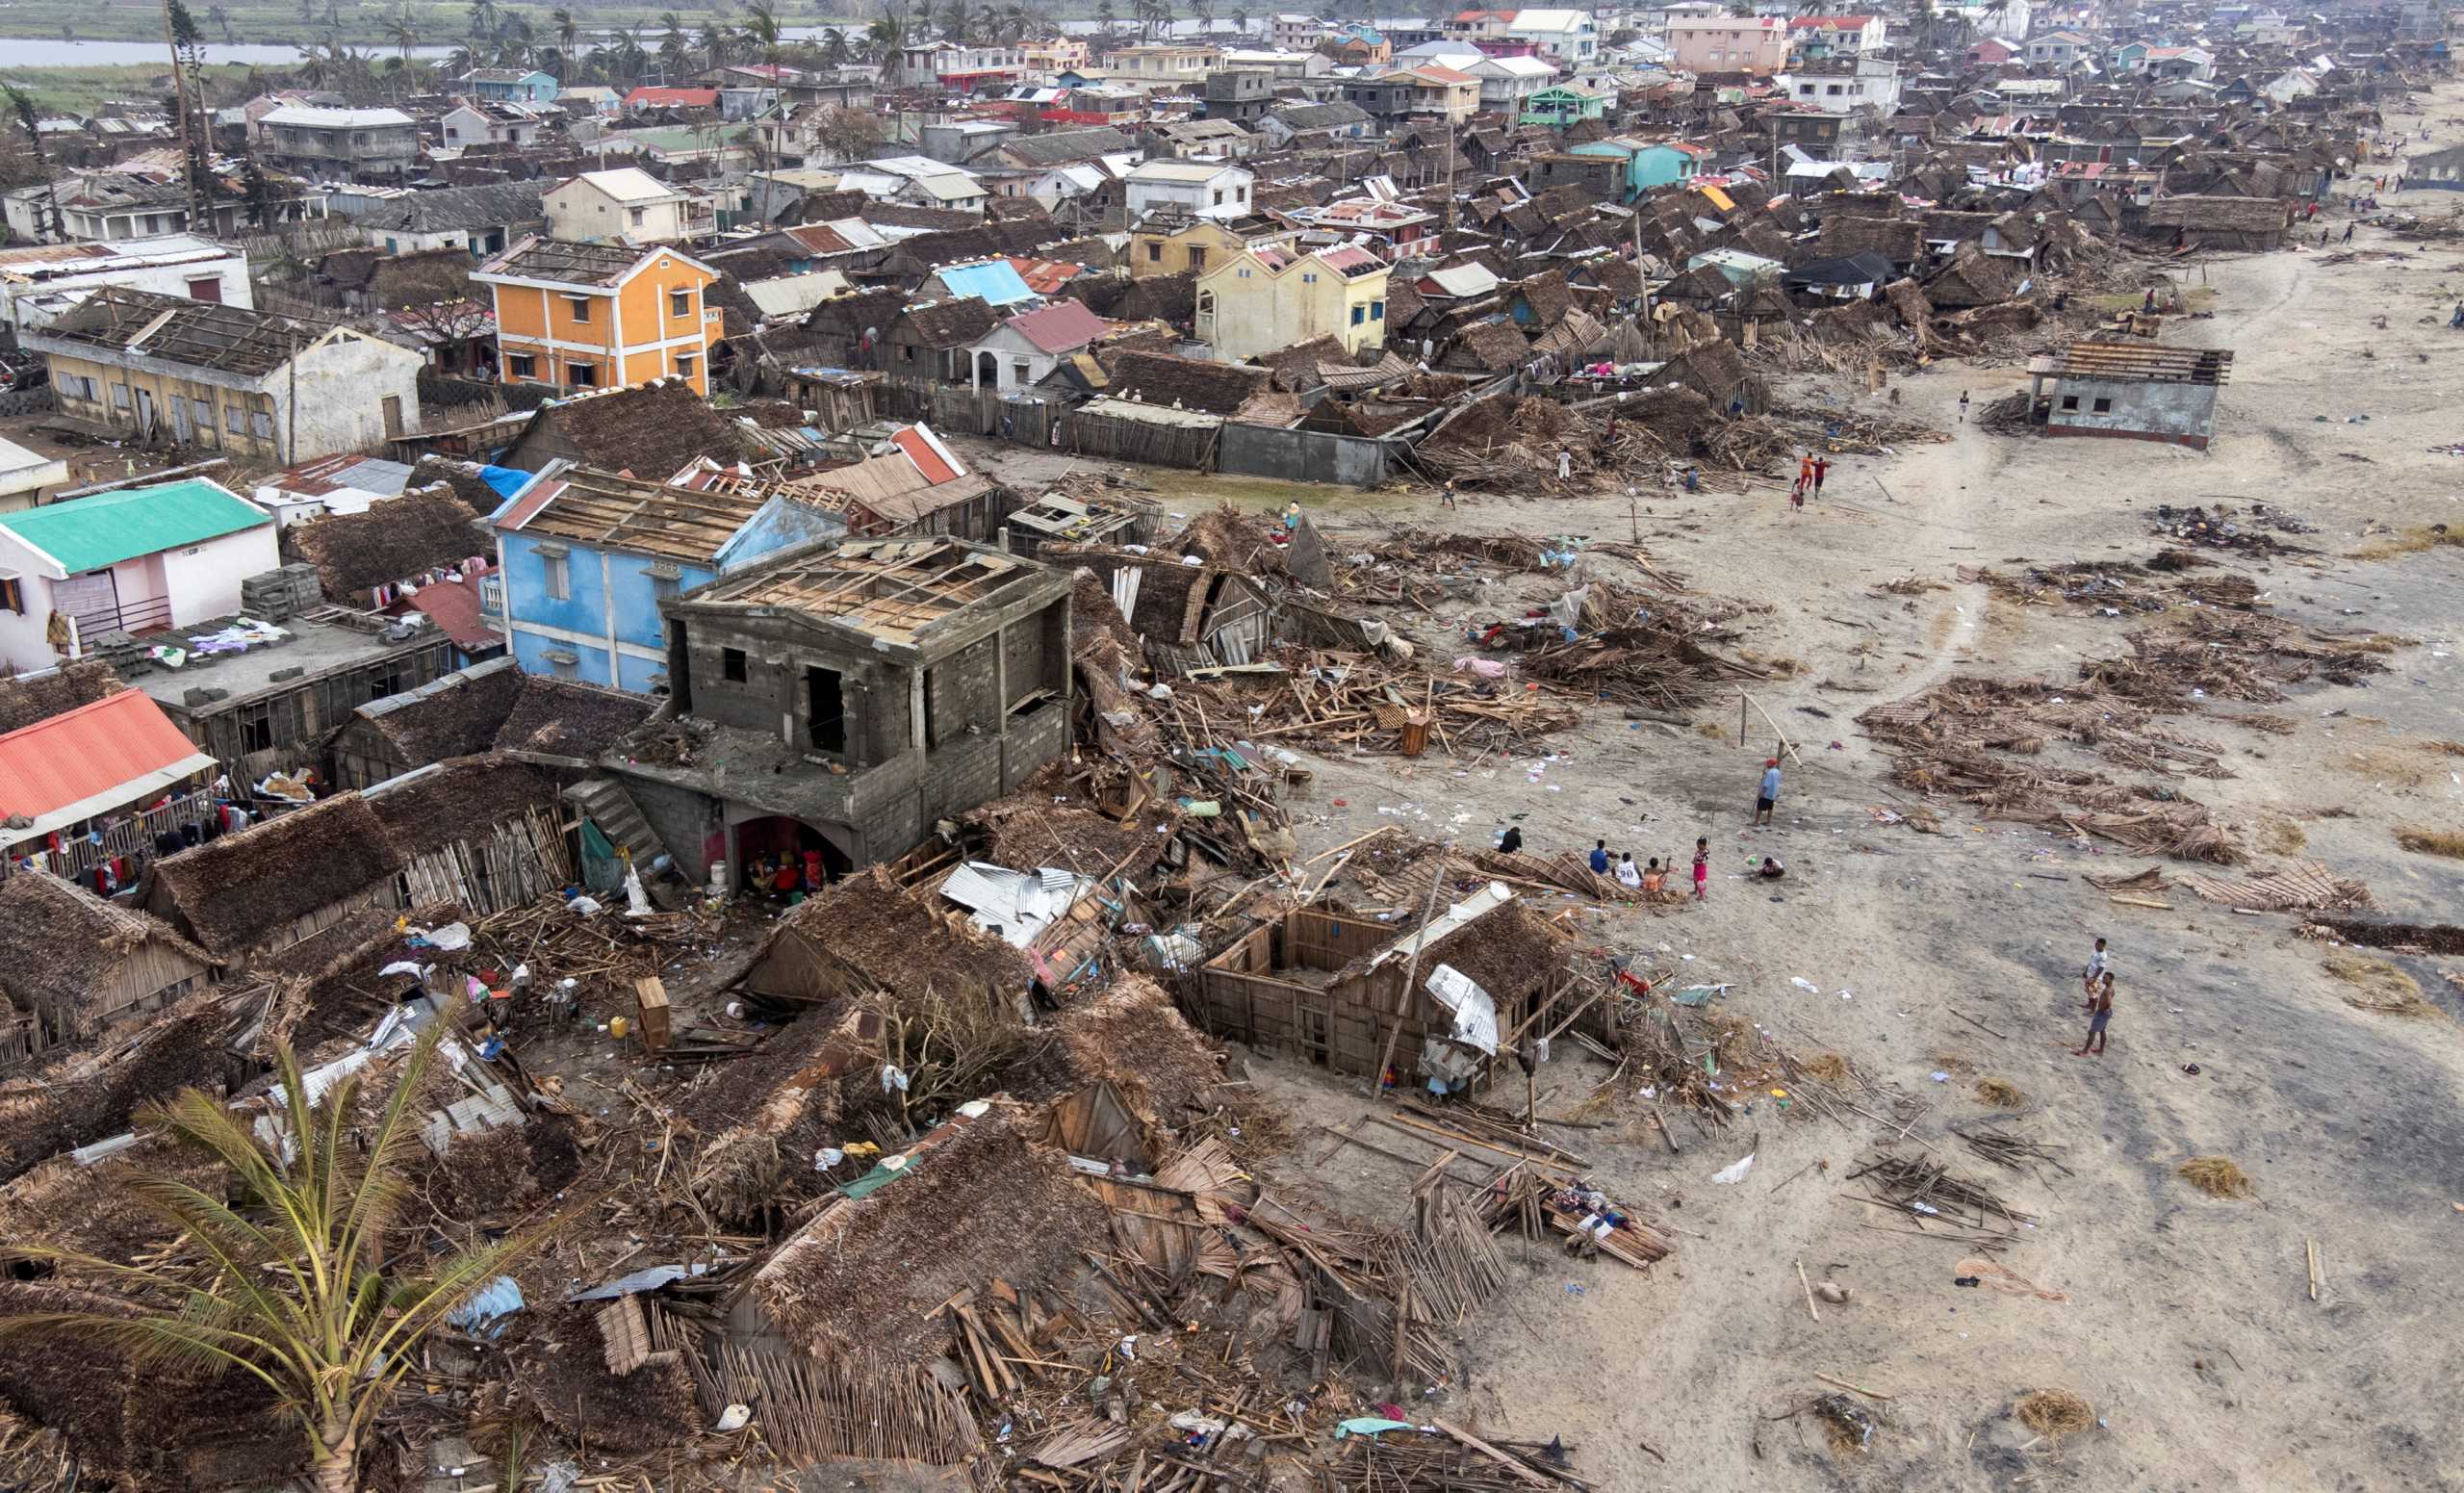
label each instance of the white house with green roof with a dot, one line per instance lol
(133, 561)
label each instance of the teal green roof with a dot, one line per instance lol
(92, 533)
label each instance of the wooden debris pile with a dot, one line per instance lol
(2310, 888)
(2226, 656)
(1348, 703)
(2251, 530)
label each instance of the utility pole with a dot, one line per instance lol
(192, 159)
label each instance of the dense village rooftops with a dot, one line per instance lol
(893, 590)
(197, 333)
(488, 205)
(623, 513)
(1056, 147)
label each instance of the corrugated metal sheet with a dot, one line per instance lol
(91, 751)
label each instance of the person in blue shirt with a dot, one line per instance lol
(1600, 858)
(1770, 793)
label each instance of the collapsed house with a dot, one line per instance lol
(1333, 990)
(837, 701)
(2130, 390)
(72, 964)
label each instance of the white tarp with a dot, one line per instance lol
(1016, 904)
(1476, 1014)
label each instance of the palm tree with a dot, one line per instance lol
(23, 107)
(958, 17)
(834, 51)
(222, 18)
(460, 60)
(560, 20)
(483, 19)
(889, 34)
(714, 43)
(299, 1299)
(760, 31)
(404, 34)
(1241, 16)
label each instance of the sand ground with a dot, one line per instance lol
(2188, 1323)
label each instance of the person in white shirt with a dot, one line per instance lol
(2097, 964)
(1626, 875)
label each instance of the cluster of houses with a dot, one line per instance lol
(502, 388)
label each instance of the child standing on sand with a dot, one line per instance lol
(1702, 867)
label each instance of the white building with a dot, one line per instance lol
(1193, 188)
(25, 474)
(1022, 350)
(166, 555)
(1844, 83)
(1294, 31)
(1506, 81)
(38, 283)
(627, 205)
(1569, 39)
(467, 124)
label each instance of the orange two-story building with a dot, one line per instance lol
(601, 316)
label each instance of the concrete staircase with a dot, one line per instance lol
(606, 804)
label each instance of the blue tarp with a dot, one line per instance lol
(506, 481)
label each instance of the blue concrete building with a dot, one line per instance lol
(584, 559)
(511, 85)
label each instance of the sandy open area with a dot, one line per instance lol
(2187, 1320)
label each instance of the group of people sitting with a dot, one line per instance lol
(1651, 879)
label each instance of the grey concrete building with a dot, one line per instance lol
(340, 144)
(839, 699)
(2133, 390)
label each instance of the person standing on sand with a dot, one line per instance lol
(2348, 227)
(1962, 406)
(2100, 1012)
(1821, 468)
(2098, 963)
(1702, 867)
(1767, 794)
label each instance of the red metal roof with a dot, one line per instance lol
(88, 751)
(1043, 276)
(674, 97)
(931, 457)
(1063, 326)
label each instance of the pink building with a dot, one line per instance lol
(1729, 43)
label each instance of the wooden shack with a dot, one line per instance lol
(1331, 989)
(71, 963)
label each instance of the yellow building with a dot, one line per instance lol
(1269, 296)
(1163, 243)
(1053, 54)
(601, 316)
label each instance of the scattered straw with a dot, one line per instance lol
(2412, 541)
(2378, 986)
(2389, 767)
(2446, 748)
(1831, 1067)
(2432, 842)
(2216, 1176)
(2054, 1412)
(1999, 1095)
(1710, 729)
(1950, 1062)
(2282, 837)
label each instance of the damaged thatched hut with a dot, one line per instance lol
(491, 706)
(477, 830)
(275, 884)
(71, 963)
(860, 1301)
(1331, 989)
(866, 933)
(1129, 1070)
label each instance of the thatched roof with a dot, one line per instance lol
(1134, 1039)
(945, 324)
(2225, 215)
(59, 942)
(137, 1428)
(566, 718)
(462, 477)
(1028, 830)
(1899, 240)
(980, 1200)
(456, 800)
(233, 893)
(651, 430)
(26, 699)
(452, 716)
(1296, 368)
(1487, 347)
(866, 933)
(87, 1090)
(1186, 383)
